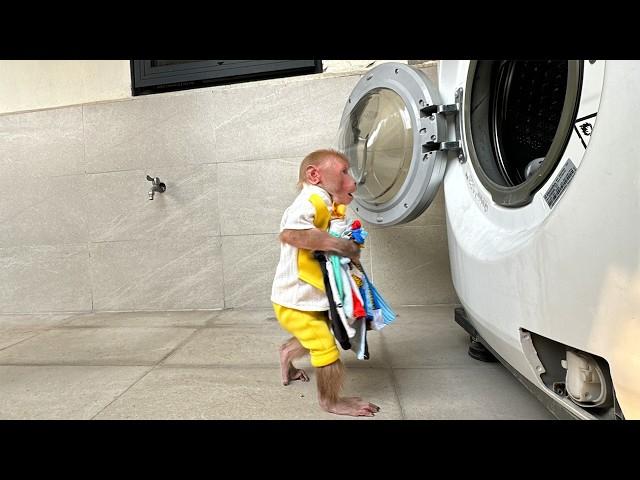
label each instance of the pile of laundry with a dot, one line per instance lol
(355, 306)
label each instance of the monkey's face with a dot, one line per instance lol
(337, 181)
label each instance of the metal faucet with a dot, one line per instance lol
(156, 186)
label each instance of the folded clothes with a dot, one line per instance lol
(357, 306)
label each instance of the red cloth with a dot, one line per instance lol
(358, 309)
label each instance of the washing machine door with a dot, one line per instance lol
(394, 131)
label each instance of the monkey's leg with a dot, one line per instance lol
(289, 351)
(330, 380)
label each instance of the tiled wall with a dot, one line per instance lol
(78, 233)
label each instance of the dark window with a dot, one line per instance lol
(155, 76)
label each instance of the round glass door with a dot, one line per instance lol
(383, 131)
(380, 144)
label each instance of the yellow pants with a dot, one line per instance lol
(312, 331)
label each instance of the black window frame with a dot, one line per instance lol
(147, 78)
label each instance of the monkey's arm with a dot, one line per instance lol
(316, 239)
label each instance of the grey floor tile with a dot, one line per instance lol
(426, 314)
(239, 317)
(425, 338)
(490, 393)
(61, 392)
(33, 322)
(12, 336)
(96, 346)
(238, 393)
(143, 319)
(257, 345)
(226, 366)
(231, 345)
(378, 357)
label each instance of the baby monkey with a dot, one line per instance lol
(299, 300)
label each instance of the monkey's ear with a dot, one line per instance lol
(312, 174)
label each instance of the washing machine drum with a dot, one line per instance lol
(517, 117)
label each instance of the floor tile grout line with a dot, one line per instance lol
(78, 364)
(153, 367)
(180, 345)
(122, 393)
(189, 327)
(207, 325)
(148, 364)
(35, 334)
(68, 314)
(394, 382)
(103, 327)
(234, 366)
(396, 387)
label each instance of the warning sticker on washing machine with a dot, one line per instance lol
(584, 128)
(560, 184)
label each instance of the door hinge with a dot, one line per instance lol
(445, 110)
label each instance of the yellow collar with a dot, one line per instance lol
(339, 210)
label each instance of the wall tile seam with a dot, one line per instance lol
(148, 167)
(275, 82)
(182, 237)
(165, 240)
(29, 176)
(88, 243)
(200, 91)
(398, 227)
(86, 211)
(129, 170)
(266, 159)
(180, 310)
(222, 269)
(90, 104)
(74, 244)
(86, 173)
(240, 235)
(37, 110)
(82, 312)
(181, 165)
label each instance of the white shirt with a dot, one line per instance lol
(288, 290)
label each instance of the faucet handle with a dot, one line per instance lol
(157, 184)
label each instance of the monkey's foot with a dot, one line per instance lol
(296, 374)
(288, 372)
(353, 406)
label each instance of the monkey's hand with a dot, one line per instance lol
(316, 239)
(348, 248)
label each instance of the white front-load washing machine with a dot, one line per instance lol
(540, 162)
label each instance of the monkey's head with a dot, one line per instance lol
(330, 170)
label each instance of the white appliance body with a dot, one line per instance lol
(570, 273)
(553, 251)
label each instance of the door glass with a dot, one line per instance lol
(378, 139)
